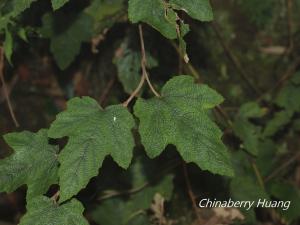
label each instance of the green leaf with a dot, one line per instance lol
(180, 117)
(100, 9)
(56, 4)
(267, 158)
(287, 192)
(279, 120)
(105, 13)
(62, 29)
(288, 97)
(197, 9)
(156, 13)
(93, 134)
(18, 6)
(44, 211)
(34, 163)
(8, 46)
(129, 67)
(249, 133)
(162, 16)
(247, 189)
(251, 110)
(132, 210)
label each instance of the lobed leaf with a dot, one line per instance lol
(180, 117)
(34, 163)
(44, 211)
(93, 134)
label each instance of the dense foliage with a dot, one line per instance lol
(144, 149)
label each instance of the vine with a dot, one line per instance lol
(186, 113)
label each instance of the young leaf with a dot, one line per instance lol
(56, 4)
(249, 133)
(197, 9)
(34, 163)
(62, 30)
(93, 134)
(44, 211)
(180, 117)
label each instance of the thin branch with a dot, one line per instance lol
(258, 175)
(144, 62)
(120, 193)
(189, 66)
(135, 92)
(144, 72)
(170, 166)
(5, 91)
(55, 196)
(190, 191)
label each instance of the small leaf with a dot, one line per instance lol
(56, 4)
(279, 120)
(249, 133)
(180, 117)
(22, 34)
(44, 211)
(288, 97)
(62, 29)
(8, 46)
(93, 134)
(251, 110)
(34, 163)
(197, 9)
(267, 158)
